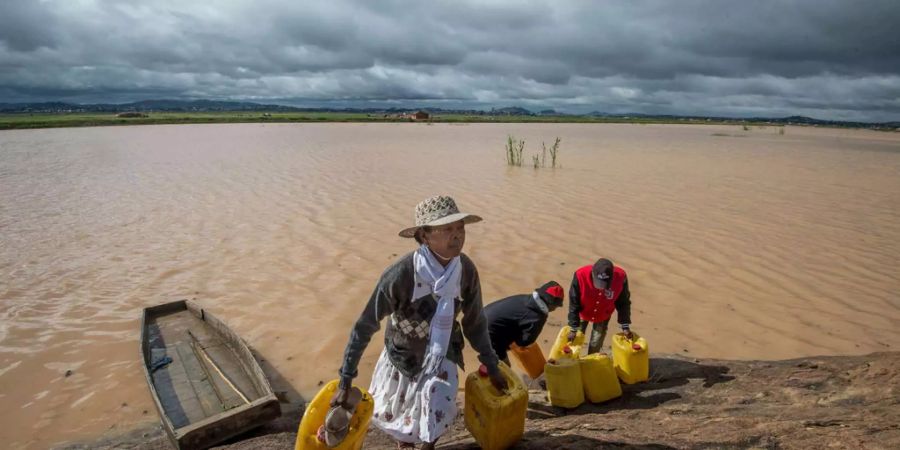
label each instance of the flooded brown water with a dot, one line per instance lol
(751, 245)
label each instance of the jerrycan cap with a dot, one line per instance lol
(636, 347)
(482, 371)
(567, 349)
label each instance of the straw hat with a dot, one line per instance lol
(436, 211)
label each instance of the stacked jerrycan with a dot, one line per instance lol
(599, 378)
(314, 417)
(631, 358)
(558, 349)
(573, 378)
(495, 419)
(563, 372)
(530, 359)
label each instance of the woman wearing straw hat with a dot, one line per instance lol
(415, 381)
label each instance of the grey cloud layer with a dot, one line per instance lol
(829, 59)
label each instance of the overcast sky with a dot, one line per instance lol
(820, 58)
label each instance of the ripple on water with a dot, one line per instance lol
(282, 232)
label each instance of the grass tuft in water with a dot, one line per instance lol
(554, 151)
(514, 150)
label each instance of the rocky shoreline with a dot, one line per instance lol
(816, 402)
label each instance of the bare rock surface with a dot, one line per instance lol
(816, 402)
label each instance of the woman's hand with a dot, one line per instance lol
(499, 381)
(571, 336)
(340, 397)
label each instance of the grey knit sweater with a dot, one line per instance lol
(408, 329)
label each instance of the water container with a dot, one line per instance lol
(314, 417)
(496, 420)
(599, 378)
(562, 340)
(563, 376)
(631, 358)
(530, 359)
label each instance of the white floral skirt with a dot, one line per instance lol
(409, 410)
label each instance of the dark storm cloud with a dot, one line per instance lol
(17, 26)
(829, 59)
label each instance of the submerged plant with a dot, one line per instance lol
(554, 150)
(514, 150)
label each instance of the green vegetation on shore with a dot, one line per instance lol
(51, 120)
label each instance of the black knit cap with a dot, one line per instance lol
(602, 270)
(552, 293)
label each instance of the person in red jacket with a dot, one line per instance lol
(596, 291)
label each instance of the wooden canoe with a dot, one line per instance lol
(205, 382)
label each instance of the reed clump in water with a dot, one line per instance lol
(553, 150)
(514, 150)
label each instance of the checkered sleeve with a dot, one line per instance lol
(380, 304)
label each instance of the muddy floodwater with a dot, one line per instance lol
(739, 244)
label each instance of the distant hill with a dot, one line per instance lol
(145, 106)
(511, 111)
(170, 105)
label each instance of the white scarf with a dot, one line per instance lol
(444, 283)
(540, 302)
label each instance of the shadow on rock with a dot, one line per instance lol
(667, 373)
(669, 378)
(540, 440)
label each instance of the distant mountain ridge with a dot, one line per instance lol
(170, 105)
(145, 106)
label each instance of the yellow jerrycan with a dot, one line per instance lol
(562, 341)
(599, 377)
(496, 420)
(530, 358)
(314, 417)
(563, 377)
(631, 358)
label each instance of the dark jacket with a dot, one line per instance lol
(408, 330)
(517, 319)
